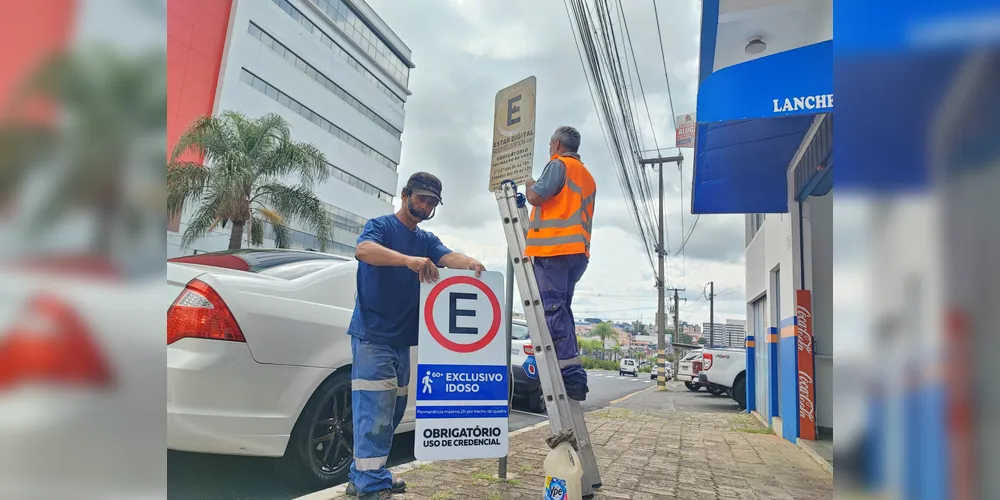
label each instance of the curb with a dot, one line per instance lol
(341, 489)
(815, 456)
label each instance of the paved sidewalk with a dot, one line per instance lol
(643, 454)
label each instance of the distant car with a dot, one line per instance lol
(629, 366)
(527, 388)
(655, 369)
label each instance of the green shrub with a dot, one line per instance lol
(590, 363)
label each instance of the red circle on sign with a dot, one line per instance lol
(438, 336)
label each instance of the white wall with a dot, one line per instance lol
(771, 247)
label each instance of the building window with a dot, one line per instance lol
(300, 64)
(304, 241)
(345, 220)
(338, 50)
(360, 184)
(279, 96)
(345, 18)
(754, 223)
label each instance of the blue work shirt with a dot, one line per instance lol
(386, 308)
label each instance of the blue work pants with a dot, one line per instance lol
(557, 277)
(380, 378)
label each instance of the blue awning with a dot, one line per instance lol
(751, 119)
(793, 82)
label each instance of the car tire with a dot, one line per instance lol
(536, 402)
(740, 392)
(716, 391)
(692, 386)
(300, 464)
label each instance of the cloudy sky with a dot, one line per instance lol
(467, 50)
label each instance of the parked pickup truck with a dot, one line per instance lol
(688, 369)
(725, 370)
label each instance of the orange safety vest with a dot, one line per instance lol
(561, 226)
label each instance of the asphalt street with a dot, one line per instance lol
(194, 476)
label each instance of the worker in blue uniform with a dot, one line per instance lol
(394, 256)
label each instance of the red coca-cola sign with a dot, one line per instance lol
(807, 388)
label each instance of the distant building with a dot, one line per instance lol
(732, 333)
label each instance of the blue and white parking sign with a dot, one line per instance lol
(462, 380)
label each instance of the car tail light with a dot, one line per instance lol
(696, 366)
(529, 350)
(706, 362)
(200, 312)
(49, 343)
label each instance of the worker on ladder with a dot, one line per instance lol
(558, 243)
(394, 257)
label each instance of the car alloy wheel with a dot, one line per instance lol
(332, 435)
(321, 447)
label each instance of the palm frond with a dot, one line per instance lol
(256, 232)
(185, 181)
(295, 159)
(282, 236)
(301, 204)
(203, 220)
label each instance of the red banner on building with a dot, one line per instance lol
(807, 388)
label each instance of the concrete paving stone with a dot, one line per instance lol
(643, 456)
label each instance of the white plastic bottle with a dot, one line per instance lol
(563, 473)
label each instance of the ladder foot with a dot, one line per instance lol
(597, 486)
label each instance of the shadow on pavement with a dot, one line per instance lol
(197, 476)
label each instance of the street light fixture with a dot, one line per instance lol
(755, 46)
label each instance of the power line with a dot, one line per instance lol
(686, 238)
(663, 57)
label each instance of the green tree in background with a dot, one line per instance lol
(638, 327)
(247, 162)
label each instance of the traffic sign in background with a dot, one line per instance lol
(462, 379)
(513, 134)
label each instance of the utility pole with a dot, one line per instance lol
(711, 314)
(661, 336)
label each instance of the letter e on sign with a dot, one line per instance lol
(511, 109)
(454, 312)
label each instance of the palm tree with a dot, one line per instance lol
(108, 134)
(241, 180)
(604, 331)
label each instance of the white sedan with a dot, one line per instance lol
(259, 362)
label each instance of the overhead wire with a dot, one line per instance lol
(597, 47)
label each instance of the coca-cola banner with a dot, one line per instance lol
(807, 389)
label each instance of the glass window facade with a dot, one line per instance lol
(360, 184)
(345, 220)
(345, 18)
(279, 96)
(338, 50)
(300, 64)
(303, 241)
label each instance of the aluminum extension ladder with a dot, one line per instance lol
(565, 414)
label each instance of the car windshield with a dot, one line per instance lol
(518, 331)
(693, 355)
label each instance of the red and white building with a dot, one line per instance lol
(332, 68)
